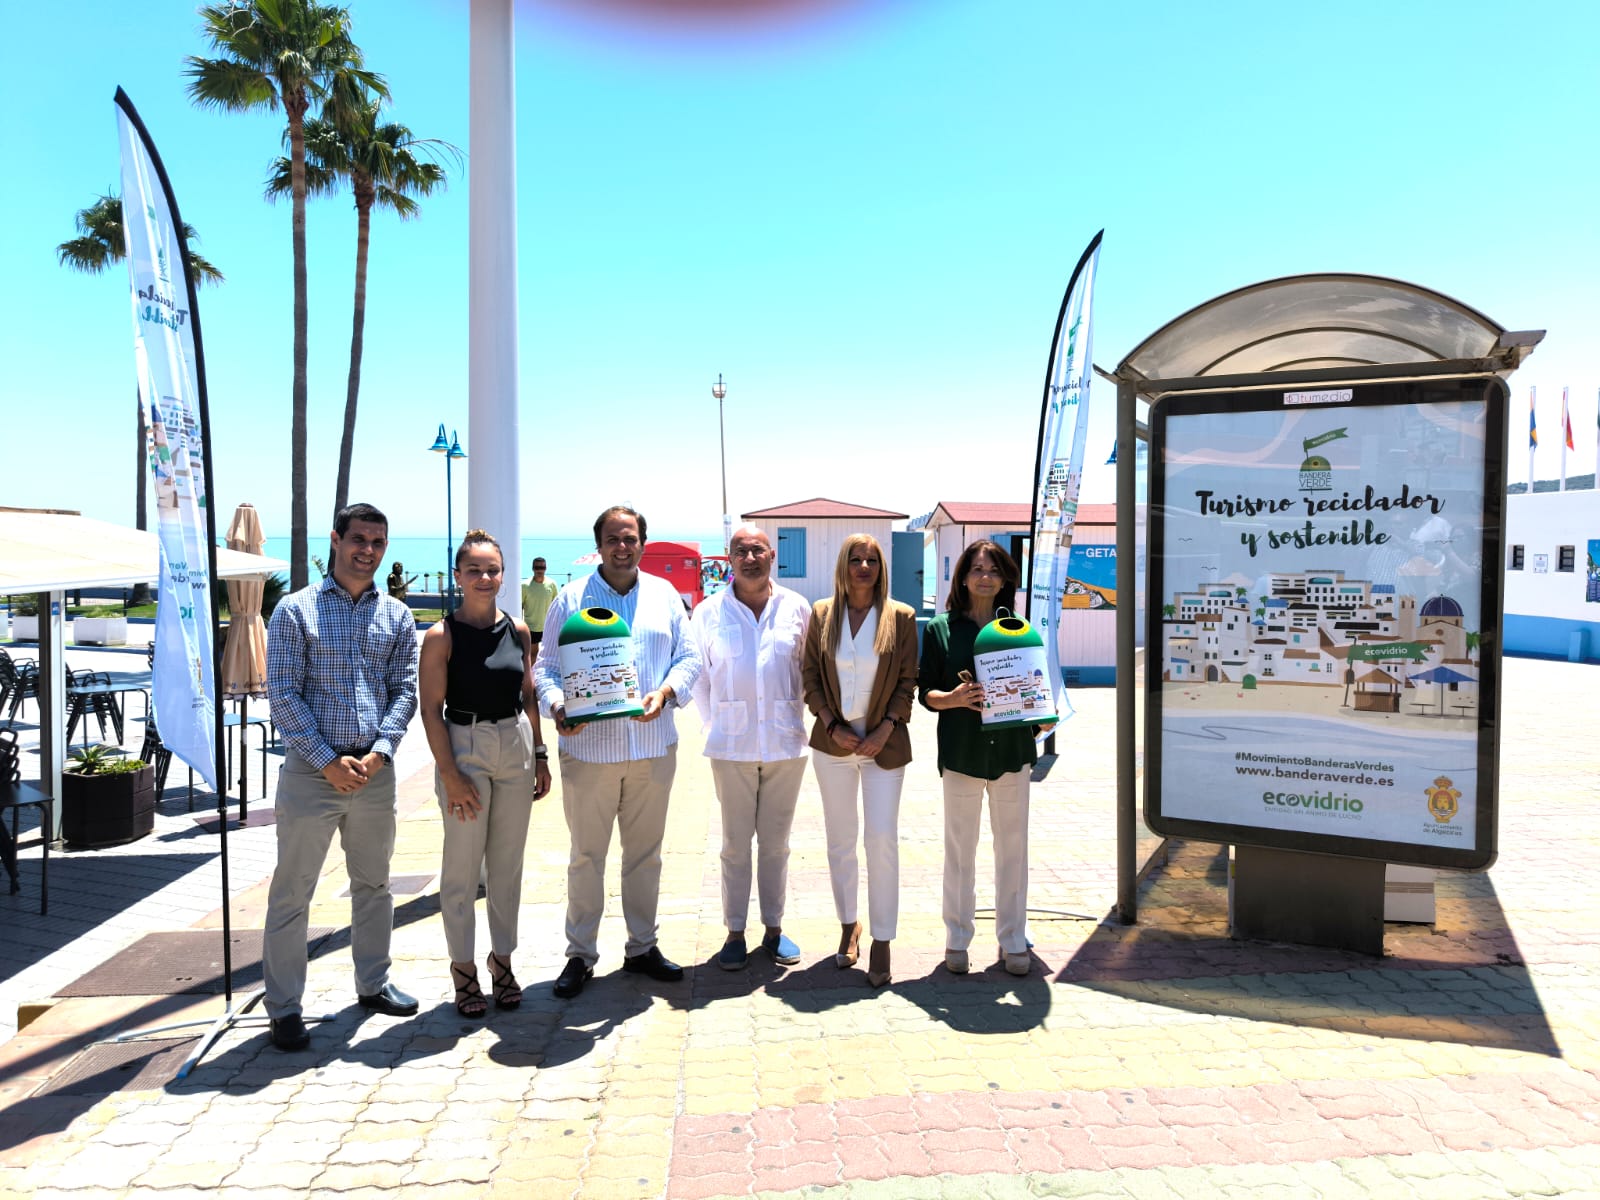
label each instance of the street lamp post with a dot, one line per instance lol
(451, 449)
(719, 390)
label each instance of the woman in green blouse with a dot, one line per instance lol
(973, 760)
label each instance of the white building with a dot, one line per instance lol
(956, 524)
(808, 534)
(1552, 598)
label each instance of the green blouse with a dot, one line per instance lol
(964, 745)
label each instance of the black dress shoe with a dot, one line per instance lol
(654, 964)
(289, 1033)
(572, 978)
(391, 1002)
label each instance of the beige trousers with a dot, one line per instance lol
(309, 811)
(757, 801)
(497, 759)
(632, 797)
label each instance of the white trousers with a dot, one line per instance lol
(632, 798)
(1008, 823)
(840, 780)
(497, 759)
(308, 812)
(758, 801)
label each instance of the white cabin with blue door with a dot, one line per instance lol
(1088, 632)
(808, 534)
(1552, 570)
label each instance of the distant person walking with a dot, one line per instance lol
(860, 680)
(489, 767)
(974, 760)
(751, 639)
(618, 773)
(342, 681)
(537, 594)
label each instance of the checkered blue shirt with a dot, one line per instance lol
(341, 671)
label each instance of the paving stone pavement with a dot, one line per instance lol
(1158, 1060)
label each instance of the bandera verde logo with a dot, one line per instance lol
(1316, 472)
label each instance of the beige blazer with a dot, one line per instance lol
(892, 688)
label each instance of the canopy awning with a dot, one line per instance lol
(1316, 322)
(59, 552)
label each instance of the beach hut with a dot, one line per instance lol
(1377, 691)
(955, 524)
(808, 533)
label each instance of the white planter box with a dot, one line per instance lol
(25, 629)
(100, 631)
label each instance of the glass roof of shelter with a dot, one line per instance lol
(1309, 322)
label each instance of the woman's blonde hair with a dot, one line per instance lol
(883, 643)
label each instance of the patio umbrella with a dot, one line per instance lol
(1442, 675)
(244, 654)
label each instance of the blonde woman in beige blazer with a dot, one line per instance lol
(859, 674)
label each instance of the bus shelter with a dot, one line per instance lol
(1322, 621)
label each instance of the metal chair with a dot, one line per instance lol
(83, 698)
(18, 682)
(16, 795)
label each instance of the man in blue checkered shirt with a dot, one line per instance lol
(342, 679)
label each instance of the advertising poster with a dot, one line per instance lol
(1319, 619)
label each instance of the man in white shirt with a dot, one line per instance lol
(618, 773)
(751, 638)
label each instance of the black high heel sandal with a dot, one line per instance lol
(507, 992)
(469, 996)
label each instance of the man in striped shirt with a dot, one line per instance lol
(342, 680)
(619, 772)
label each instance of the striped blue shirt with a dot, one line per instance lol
(341, 671)
(664, 654)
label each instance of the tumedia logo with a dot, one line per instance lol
(1316, 472)
(1443, 800)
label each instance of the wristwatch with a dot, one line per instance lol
(541, 752)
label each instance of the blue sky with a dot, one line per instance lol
(863, 218)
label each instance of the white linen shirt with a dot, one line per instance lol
(748, 693)
(663, 653)
(857, 663)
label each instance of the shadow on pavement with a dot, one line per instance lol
(1460, 980)
(989, 1001)
(87, 888)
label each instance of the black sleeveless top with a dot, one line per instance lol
(485, 669)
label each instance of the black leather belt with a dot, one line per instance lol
(460, 716)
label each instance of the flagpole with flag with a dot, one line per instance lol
(1058, 467)
(1566, 437)
(169, 358)
(1533, 434)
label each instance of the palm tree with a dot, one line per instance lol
(101, 242)
(285, 53)
(382, 164)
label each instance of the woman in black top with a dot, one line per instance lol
(974, 760)
(489, 766)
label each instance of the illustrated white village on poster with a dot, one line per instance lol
(1319, 618)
